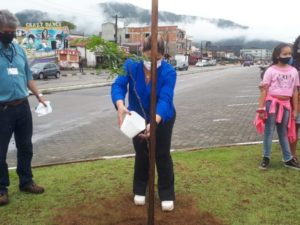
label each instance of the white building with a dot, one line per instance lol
(108, 33)
(88, 56)
(256, 53)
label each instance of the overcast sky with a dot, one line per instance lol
(267, 19)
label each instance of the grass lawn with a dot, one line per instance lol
(225, 182)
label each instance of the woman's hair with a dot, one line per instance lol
(160, 45)
(296, 47)
(31, 36)
(45, 36)
(8, 20)
(58, 37)
(277, 51)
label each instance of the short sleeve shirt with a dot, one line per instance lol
(13, 85)
(281, 81)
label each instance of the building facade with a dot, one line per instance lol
(256, 54)
(176, 41)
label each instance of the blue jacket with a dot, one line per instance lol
(166, 80)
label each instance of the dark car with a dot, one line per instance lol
(45, 70)
(248, 63)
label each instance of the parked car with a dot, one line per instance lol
(206, 62)
(45, 70)
(248, 63)
(181, 62)
(202, 63)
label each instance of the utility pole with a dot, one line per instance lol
(154, 31)
(116, 26)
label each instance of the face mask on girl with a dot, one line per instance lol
(147, 64)
(284, 60)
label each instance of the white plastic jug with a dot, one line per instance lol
(133, 124)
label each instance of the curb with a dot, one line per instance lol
(73, 87)
(211, 148)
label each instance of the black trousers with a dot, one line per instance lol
(17, 120)
(164, 163)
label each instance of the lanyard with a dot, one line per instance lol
(10, 58)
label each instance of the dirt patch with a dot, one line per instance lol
(122, 211)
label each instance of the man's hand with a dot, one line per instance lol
(42, 99)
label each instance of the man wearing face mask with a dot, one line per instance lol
(15, 113)
(137, 80)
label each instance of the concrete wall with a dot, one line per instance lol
(88, 55)
(108, 31)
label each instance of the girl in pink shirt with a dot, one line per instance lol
(279, 87)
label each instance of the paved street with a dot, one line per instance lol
(213, 108)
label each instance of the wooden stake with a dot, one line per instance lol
(154, 24)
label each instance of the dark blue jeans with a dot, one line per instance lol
(164, 163)
(16, 120)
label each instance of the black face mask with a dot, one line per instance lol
(284, 60)
(7, 37)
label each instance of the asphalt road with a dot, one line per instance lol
(213, 108)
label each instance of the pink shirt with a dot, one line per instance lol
(281, 81)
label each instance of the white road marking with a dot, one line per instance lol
(252, 86)
(246, 96)
(233, 105)
(220, 120)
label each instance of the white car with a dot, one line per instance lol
(202, 63)
(205, 62)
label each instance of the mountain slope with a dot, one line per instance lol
(133, 14)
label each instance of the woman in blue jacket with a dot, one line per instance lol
(137, 81)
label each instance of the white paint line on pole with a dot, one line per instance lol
(246, 96)
(245, 104)
(220, 120)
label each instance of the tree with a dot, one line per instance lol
(70, 25)
(111, 54)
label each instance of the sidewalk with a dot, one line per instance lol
(73, 80)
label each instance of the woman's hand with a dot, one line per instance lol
(122, 111)
(146, 134)
(262, 115)
(261, 112)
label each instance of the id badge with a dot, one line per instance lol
(13, 71)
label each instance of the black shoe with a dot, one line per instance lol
(32, 188)
(3, 198)
(292, 164)
(265, 163)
